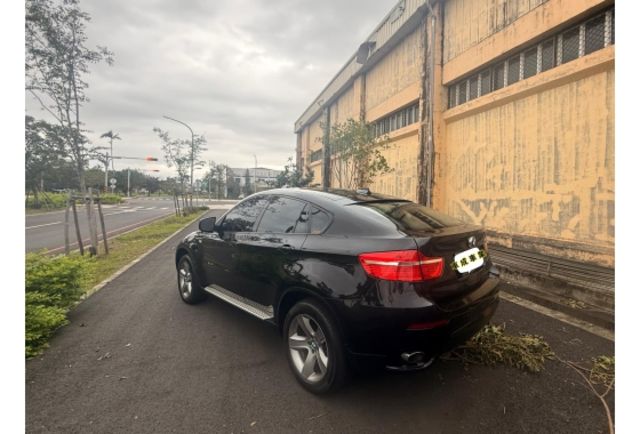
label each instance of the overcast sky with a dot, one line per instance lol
(240, 72)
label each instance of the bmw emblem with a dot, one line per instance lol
(472, 241)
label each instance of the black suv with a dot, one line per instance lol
(345, 276)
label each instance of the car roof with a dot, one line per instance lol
(332, 197)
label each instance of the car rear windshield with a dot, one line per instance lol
(410, 216)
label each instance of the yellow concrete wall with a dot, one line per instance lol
(398, 70)
(344, 108)
(401, 155)
(541, 164)
(471, 21)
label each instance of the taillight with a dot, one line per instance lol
(401, 265)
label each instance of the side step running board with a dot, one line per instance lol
(255, 309)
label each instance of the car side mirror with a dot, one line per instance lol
(207, 224)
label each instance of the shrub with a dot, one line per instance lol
(52, 285)
(60, 278)
(40, 322)
(110, 199)
(59, 200)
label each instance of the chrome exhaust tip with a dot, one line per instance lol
(415, 357)
(413, 362)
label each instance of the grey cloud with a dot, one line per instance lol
(240, 72)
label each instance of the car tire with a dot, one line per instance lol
(314, 347)
(189, 287)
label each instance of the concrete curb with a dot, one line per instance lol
(115, 275)
(583, 325)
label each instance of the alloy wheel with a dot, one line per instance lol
(184, 279)
(308, 348)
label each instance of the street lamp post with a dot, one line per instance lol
(192, 145)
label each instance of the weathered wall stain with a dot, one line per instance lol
(475, 20)
(540, 165)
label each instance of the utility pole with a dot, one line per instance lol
(192, 145)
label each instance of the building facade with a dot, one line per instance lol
(260, 177)
(499, 112)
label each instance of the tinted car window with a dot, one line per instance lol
(413, 217)
(244, 216)
(318, 220)
(281, 215)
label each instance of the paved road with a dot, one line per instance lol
(46, 231)
(137, 359)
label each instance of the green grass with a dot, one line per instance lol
(125, 248)
(54, 284)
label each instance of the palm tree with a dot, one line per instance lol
(111, 136)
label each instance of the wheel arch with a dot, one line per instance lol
(290, 296)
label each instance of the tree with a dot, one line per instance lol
(217, 178)
(179, 153)
(292, 176)
(357, 154)
(56, 59)
(111, 136)
(44, 151)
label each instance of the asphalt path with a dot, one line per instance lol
(137, 359)
(46, 231)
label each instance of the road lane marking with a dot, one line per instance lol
(41, 226)
(135, 226)
(588, 327)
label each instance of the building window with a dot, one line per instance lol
(315, 155)
(485, 82)
(462, 92)
(594, 35)
(498, 76)
(570, 47)
(513, 71)
(548, 55)
(396, 120)
(473, 88)
(591, 35)
(530, 62)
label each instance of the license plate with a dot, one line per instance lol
(469, 260)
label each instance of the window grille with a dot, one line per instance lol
(594, 35)
(513, 73)
(462, 92)
(473, 88)
(396, 120)
(530, 62)
(498, 76)
(485, 82)
(570, 48)
(591, 35)
(548, 55)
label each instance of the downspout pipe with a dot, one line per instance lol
(430, 149)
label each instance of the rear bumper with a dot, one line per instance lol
(382, 334)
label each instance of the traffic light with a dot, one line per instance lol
(151, 159)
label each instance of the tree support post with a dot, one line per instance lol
(77, 225)
(104, 230)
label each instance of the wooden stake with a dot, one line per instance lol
(67, 249)
(93, 233)
(77, 225)
(104, 230)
